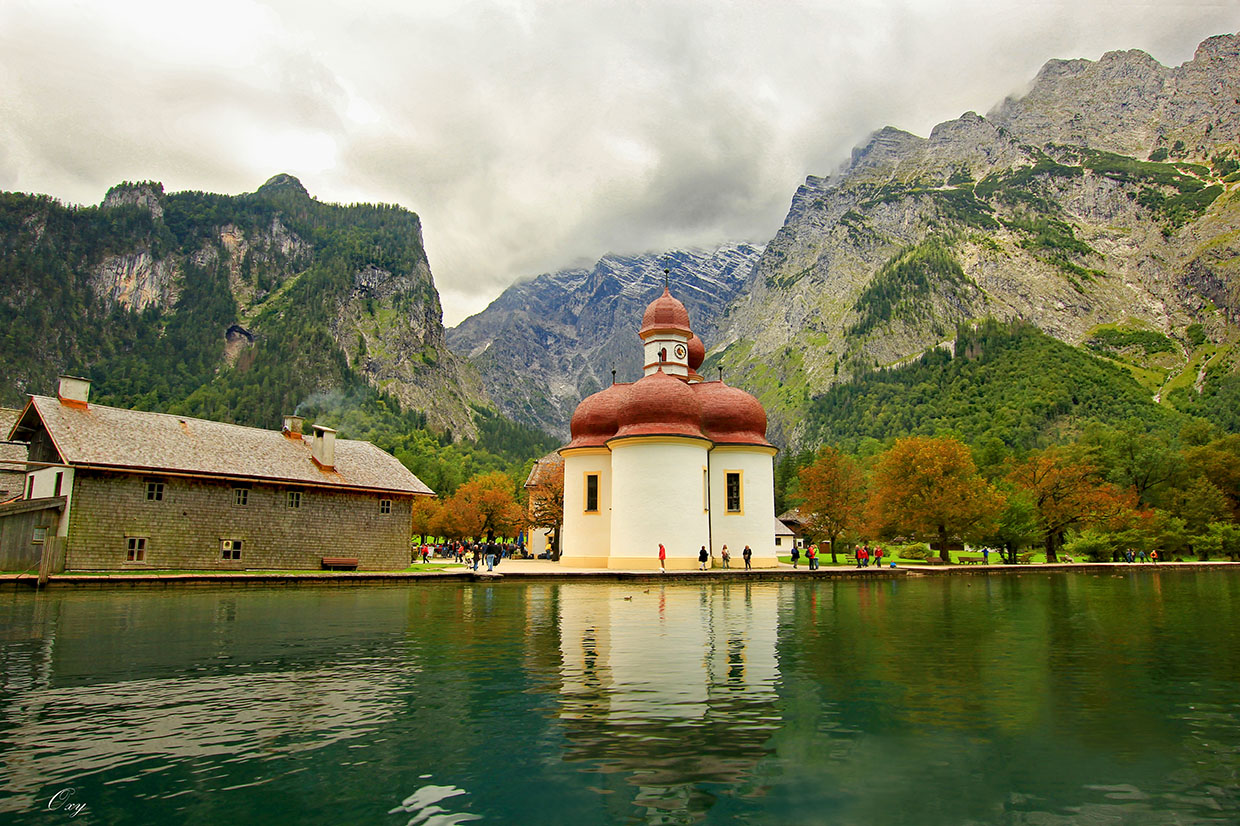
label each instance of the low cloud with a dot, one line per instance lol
(528, 135)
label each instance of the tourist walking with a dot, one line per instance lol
(702, 557)
(1154, 557)
(725, 556)
(811, 554)
(878, 556)
(477, 555)
(662, 558)
(796, 555)
(985, 554)
(747, 555)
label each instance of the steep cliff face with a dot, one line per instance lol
(546, 343)
(390, 329)
(186, 298)
(1048, 210)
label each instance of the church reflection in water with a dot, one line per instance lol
(669, 687)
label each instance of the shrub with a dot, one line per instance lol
(1095, 546)
(917, 550)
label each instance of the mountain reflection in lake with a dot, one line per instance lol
(1045, 699)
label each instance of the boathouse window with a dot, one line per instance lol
(385, 506)
(591, 493)
(294, 499)
(241, 496)
(230, 548)
(154, 491)
(135, 549)
(40, 535)
(732, 486)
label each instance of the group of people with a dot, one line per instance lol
(704, 557)
(864, 554)
(469, 553)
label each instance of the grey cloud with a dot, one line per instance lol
(528, 135)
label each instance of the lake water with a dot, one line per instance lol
(1030, 699)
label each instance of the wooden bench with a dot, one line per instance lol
(970, 559)
(339, 563)
(1024, 559)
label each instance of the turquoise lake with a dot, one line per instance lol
(1015, 699)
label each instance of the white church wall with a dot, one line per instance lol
(753, 524)
(657, 475)
(586, 534)
(651, 348)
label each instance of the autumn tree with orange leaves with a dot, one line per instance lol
(485, 506)
(832, 490)
(425, 517)
(547, 505)
(930, 487)
(1068, 493)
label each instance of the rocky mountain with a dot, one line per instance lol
(546, 343)
(233, 307)
(1103, 206)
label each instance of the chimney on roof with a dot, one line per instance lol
(323, 448)
(292, 427)
(73, 391)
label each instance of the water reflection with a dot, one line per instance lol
(132, 688)
(1019, 699)
(669, 687)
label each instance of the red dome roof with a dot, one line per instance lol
(697, 353)
(659, 405)
(665, 314)
(595, 420)
(730, 416)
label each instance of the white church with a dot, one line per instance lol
(668, 459)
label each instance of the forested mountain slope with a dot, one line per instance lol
(243, 309)
(237, 308)
(1102, 207)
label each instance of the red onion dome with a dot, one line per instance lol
(659, 405)
(597, 417)
(665, 314)
(697, 353)
(730, 416)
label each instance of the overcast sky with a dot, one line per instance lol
(529, 135)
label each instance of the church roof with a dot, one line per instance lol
(665, 314)
(660, 404)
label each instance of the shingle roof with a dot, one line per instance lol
(12, 456)
(544, 469)
(112, 437)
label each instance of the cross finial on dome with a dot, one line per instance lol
(667, 283)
